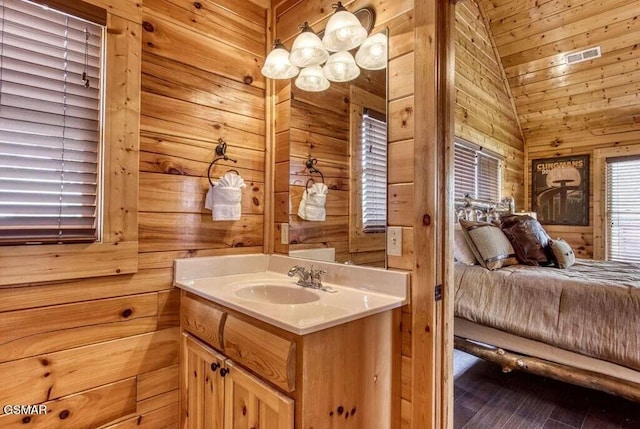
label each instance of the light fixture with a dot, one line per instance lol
(341, 67)
(277, 64)
(307, 49)
(372, 55)
(312, 79)
(344, 31)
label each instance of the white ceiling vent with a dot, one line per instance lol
(586, 55)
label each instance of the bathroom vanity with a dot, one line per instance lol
(259, 351)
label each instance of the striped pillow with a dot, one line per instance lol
(487, 241)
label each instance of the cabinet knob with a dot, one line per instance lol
(224, 372)
(215, 366)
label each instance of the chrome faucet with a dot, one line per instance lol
(311, 278)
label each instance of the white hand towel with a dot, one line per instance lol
(225, 198)
(302, 209)
(313, 203)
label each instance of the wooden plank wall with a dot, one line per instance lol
(570, 109)
(484, 111)
(104, 351)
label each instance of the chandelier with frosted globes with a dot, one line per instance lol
(318, 62)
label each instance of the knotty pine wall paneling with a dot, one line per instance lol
(103, 352)
(485, 113)
(570, 109)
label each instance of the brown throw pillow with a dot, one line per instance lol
(461, 250)
(489, 244)
(528, 238)
(563, 253)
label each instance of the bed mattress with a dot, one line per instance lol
(592, 308)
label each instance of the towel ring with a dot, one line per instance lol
(221, 151)
(225, 158)
(233, 170)
(310, 180)
(311, 166)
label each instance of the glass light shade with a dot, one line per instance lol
(372, 55)
(312, 79)
(341, 67)
(307, 49)
(277, 65)
(344, 31)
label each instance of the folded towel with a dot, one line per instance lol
(302, 208)
(312, 206)
(224, 199)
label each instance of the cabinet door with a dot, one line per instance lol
(252, 404)
(202, 386)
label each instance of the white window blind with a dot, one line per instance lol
(50, 111)
(623, 209)
(374, 172)
(477, 172)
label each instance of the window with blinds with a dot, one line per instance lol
(374, 171)
(623, 209)
(477, 172)
(50, 114)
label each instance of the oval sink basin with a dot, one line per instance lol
(273, 294)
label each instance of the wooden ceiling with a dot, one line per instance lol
(565, 108)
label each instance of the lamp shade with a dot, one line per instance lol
(344, 31)
(372, 55)
(341, 67)
(307, 49)
(312, 79)
(277, 65)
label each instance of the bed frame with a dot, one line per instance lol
(510, 353)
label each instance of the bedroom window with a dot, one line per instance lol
(50, 126)
(623, 209)
(374, 171)
(478, 172)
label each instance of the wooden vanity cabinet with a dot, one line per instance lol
(346, 376)
(217, 394)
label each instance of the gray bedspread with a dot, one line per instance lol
(592, 308)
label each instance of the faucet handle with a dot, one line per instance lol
(317, 272)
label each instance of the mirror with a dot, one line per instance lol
(342, 133)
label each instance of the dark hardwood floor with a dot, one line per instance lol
(485, 398)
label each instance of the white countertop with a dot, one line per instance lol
(359, 291)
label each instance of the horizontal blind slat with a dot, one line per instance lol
(374, 173)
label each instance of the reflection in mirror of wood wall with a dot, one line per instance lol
(318, 125)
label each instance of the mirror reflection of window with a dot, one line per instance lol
(374, 171)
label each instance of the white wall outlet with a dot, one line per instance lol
(394, 241)
(284, 233)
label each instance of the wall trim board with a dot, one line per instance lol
(600, 157)
(431, 390)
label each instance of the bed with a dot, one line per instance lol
(580, 325)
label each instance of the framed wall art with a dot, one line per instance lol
(560, 190)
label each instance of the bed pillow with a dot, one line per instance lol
(528, 238)
(461, 250)
(563, 253)
(489, 244)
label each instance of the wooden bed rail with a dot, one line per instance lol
(510, 361)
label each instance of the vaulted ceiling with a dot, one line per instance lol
(561, 106)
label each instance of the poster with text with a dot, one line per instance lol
(560, 190)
